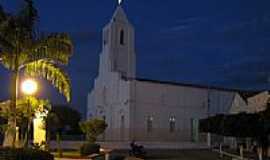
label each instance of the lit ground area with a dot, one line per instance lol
(160, 155)
(176, 154)
(69, 154)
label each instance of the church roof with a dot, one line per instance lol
(120, 15)
(186, 85)
(241, 92)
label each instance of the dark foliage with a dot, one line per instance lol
(65, 120)
(242, 125)
(93, 128)
(255, 125)
(24, 154)
(89, 148)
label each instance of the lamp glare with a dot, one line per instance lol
(29, 87)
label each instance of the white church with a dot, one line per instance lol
(150, 110)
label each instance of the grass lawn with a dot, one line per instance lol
(69, 154)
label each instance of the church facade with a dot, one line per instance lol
(142, 109)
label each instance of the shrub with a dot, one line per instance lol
(24, 154)
(89, 148)
(93, 128)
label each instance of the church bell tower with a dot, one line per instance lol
(118, 42)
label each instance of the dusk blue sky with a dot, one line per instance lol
(224, 43)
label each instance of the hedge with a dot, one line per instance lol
(24, 154)
(237, 125)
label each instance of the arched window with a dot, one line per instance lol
(122, 37)
(172, 124)
(149, 124)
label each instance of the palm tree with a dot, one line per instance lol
(22, 49)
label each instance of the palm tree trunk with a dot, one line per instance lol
(10, 134)
(58, 141)
(48, 138)
(29, 122)
(27, 133)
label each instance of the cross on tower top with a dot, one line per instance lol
(119, 2)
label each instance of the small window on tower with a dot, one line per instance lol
(122, 36)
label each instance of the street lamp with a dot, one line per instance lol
(29, 87)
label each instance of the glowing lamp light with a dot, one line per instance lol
(29, 87)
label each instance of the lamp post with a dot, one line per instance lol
(29, 87)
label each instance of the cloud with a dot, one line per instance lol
(190, 20)
(183, 24)
(178, 28)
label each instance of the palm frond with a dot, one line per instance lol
(2, 14)
(53, 74)
(4, 109)
(28, 16)
(7, 60)
(37, 106)
(56, 48)
(7, 32)
(5, 45)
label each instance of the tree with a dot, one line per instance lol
(54, 125)
(60, 118)
(93, 128)
(242, 125)
(23, 49)
(26, 110)
(69, 119)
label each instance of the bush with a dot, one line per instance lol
(93, 128)
(89, 148)
(24, 154)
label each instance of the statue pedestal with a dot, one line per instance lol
(39, 131)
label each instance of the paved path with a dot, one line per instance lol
(69, 159)
(74, 145)
(128, 158)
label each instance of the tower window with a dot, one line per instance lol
(122, 36)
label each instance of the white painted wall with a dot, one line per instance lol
(163, 101)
